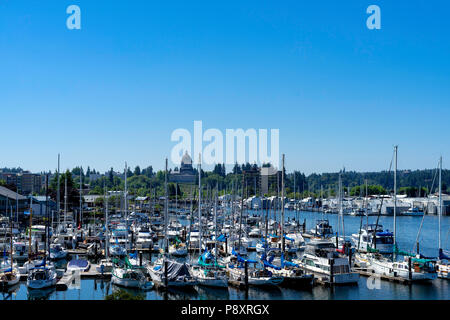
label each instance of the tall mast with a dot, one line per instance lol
(440, 201)
(282, 206)
(65, 199)
(106, 224)
(215, 227)
(166, 212)
(81, 198)
(125, 203)
(200, 204)
(31, 222)
(395, 198)
(58, 197)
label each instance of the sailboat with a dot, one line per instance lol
(106, 265)
(166, 272)
(443, 263)
(413, 269)
(124, 273)
(9, 276)
(42, 275)
(207, 272)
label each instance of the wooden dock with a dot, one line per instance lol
(368, 273)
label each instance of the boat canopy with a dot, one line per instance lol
(444, 255)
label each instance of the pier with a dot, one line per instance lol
(368, 273)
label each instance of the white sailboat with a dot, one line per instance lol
(9, 276)
(413, 269)
(443, 263)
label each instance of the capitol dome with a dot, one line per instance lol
(186, 159)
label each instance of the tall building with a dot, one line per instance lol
(25, 182)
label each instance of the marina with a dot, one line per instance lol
(227, 247)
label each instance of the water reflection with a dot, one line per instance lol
(40, 294)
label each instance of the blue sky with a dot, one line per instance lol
(340, 94)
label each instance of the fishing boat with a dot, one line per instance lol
(322, 259)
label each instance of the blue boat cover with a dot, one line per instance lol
(240, 259)
(221, 238)
(78, 263)
(444, 255)
(385, 234)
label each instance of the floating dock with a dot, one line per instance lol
(368, 273)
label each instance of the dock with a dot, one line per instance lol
(368, 273)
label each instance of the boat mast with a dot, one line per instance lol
(125, 203)
(81, 199)
(395, 199)
(65, 199)
(166, 212)
(31, 222)
(440, 201)
(215, 226)
(282, 206)
(199, 204)
(106, 224)
(58, 196)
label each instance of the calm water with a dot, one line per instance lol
(407, 228)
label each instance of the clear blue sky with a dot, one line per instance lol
(341, 95)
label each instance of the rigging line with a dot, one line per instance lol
(381, 205)
(423, 216)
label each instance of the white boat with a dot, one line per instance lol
(384, 240)
(421, 269)
(57, 252)
(20, 250)
(209, 276)
(9, 277)
(317, 260)
(258, 277)
(443, 269)
(413, 269)
(178, 250)
(117, 250)
(144, 239)
(41, 277)
(130, 278)
(104, 266)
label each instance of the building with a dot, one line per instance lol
(186, 174)
(25, 182)
(9, 200)
(40, 205)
